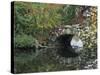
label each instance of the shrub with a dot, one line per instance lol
(24, 41)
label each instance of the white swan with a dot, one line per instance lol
(76, 44)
